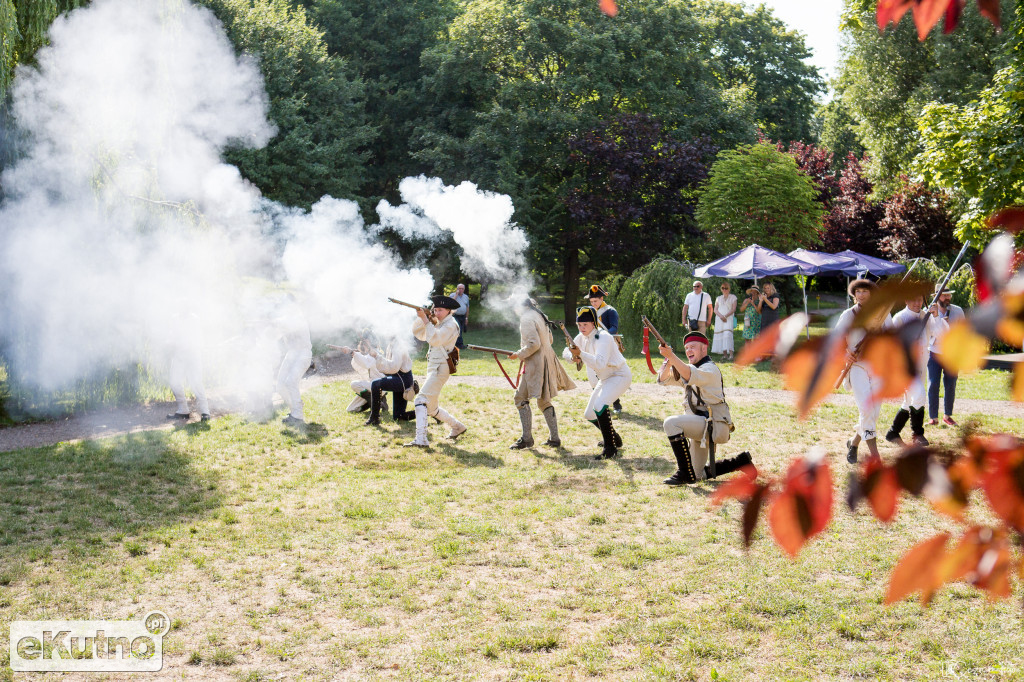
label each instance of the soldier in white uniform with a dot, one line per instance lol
(912, 409)
(364, 363)
(601, 355)
(187, 365)
(543, 375)
(607, 319)
(706, 420)
(298, 354)
(861, 380)
(441, 337)
(395, 367)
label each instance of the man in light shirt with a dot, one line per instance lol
(697, 308)
(461, 315)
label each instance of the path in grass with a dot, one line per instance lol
(151, 417)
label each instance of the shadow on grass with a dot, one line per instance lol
(309, 434)
(653, 423)
(467, 458)
(86, 497)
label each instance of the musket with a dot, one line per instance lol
(486, 349)
(661, 341)
(572, 346)
(427, 311)
(500, 351)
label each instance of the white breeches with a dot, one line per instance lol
(915, 395)
(188, 366)
(694, 428)
(430, 389)
(607, 391)
(864, 385)
(360, 385)
(294, 365)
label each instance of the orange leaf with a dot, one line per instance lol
(1018, 382)
(1002, 482)
(891, 363)
(982, 558)
(790, 521)
(881, 489)
(926, 13)
(961, 350)
(760, 345)
(812, 370)
(739, 487)
(752, 512)
(804, 507)
(609, 7)
(917, 570)
(963, 478)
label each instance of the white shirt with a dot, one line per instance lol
(698, 303)
(600, 353)
(854, 338)
(394, 361)
(933, 325)
(441, 337)
(365, 366)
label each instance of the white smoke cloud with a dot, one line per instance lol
(122, 214)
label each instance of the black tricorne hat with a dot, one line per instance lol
(445, 302)
(586, 314)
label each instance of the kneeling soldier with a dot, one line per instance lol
(441, 337)
(395, 366)
(706, 420)
(543, 375)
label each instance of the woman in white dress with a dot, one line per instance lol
(725, 323)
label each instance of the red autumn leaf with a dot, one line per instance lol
(752, 512)
(1003, 482)
(990, 10)
(881, 489)
(760, 345)
(963, 478)
(982, 558)
(891, 10)
(813, 369)
(804, 506)
(1009, 219)
(927, 13)
(739, 487)
(953, 11)
(917, 571)
(894, 292)
(609, 7)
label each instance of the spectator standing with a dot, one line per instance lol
(769, 305)
(461, 315)
(751, 309)
(697, 309)
(948, 313)
(725, 322)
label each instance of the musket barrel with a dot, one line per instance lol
(487, 349)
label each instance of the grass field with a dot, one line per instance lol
(339, 554)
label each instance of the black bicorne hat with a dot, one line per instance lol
(445, 302)
(586, 314)
(595, 291)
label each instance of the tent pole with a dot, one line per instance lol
(807, 328)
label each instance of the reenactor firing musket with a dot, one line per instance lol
(426, 311)
(573, 348)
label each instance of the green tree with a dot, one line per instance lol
(23, 27)
(976, 151)
(382, 41)
(835, 130)
(886, 80)
(757, 194)
(753, 48)
(516, 78)
(315, 102)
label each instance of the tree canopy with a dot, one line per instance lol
(755, 193)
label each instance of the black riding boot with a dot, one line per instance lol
(898, 422)
(685, 473)
(365, 395)
(727, 466)
(375, 400)
(917, 425)
(608, 435)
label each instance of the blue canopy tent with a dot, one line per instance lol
(756, 261)
(824, 263)
(870, 264)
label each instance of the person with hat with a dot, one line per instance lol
(706, 420)
(947, 313)
(912, 409)
(441, 338)
(697, 308)
(543, 375)
(601, 355)
(751, 309)
(607, 319)
(860, 379)
(395, 368)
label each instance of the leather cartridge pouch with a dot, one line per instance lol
(453, 360)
